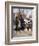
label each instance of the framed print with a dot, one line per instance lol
(21, 23)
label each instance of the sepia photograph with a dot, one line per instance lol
(21, 21)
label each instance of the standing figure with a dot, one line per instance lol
(22, 22)
(17, 22)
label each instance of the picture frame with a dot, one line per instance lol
(11, 10)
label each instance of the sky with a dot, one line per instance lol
(26, 11)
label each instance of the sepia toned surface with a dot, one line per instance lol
(23, 33)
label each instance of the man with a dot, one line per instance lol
(22, 22)
(17, 22)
